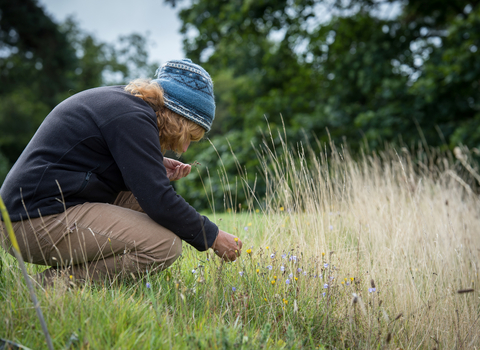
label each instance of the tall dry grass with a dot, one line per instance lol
(407, 223)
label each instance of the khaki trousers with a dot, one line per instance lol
(97, 241)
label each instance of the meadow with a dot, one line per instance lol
(378, 252)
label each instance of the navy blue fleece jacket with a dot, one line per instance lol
(92, 146)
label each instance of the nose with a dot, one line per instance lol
(185, 146)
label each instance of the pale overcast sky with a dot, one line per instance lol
(108, 19)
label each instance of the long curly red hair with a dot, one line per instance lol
(174, 130)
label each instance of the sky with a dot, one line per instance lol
(108, 19)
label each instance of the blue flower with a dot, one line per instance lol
(371, 290)
(323, 293)
(284, 256)
(246, 228)
(325, 265)
(148, 285)
(299, 270)
(325, 286)
(194, 271)
(293, 258)
(287, 281)
(272, 256)
(282, 268)
(291, 275)
(241, 273)
(234, 289)
(269, 267)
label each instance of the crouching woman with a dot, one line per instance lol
(91, 192)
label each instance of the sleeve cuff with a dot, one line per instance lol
(205, 238)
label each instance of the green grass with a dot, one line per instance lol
(410, 233)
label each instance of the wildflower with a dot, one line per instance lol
(71, 277)
(325, 265)
(229, 210)
(269, 267)
(234, 289)
(348, 283)
(249, 224)
(287, 281)
(330, 227)
(304, 273)
(293, 258)
(194, 271)
(296, 278)
(352, 278)
(284, 256)
(273, 282)
(241, 273)
(272, 256)
(267, 247)
(258, 270)
(249, 251)
(323, 253)
(275, 278)
(257, 210)
(236, 239)
(282, 268)
(245, 228)
(343, 282)
(299, 270)
(332, 278)
(371, 290)
(346, 279)
(325, 286)
(265, 299)
(285, 301)
(109, 239)
(291, 275)
(323, 293)
(282, 208)
(148, 285)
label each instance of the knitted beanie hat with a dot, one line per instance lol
(188, 91)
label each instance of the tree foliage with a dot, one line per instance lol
(364, 71)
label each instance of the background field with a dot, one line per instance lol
(376, 253)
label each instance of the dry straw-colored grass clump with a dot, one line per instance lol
(408, 222)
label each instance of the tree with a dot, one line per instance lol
(345, 66)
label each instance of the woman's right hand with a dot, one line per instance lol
(226, 247)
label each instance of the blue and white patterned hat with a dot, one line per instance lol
(188, 91)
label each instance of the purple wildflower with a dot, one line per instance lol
(148, 285)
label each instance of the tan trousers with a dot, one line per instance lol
(97, 241)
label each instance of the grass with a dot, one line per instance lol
(381, 252)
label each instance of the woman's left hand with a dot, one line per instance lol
(175, 169)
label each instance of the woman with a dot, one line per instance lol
(91, 191)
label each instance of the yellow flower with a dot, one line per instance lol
(273, 282)
(71, 277)
(275, 277)
(323, 254)
(285, 301)
(343, 282)
(249, 251)
(265, 299)
(249, 224)
(267, 247)
(258, 270)
(236, 251)
(257, 210)
(352, 278)
(282, 208)
(296, 278)
(236, 239)
(229, 210)
(346, 279)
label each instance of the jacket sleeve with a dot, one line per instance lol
(134, 143)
